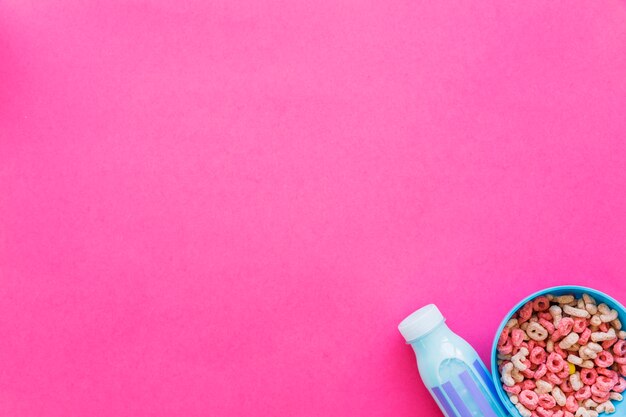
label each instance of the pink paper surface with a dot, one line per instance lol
(224, 208)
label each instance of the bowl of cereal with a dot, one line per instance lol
(561, 352)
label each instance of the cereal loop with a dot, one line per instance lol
(555, 362)
(620, 348)
(529, 399)
(604, 359)
(579, 325)
(620, 386)
(588, 376)
(538, 356)
(541, 303)
(583, 393)
(517, 337)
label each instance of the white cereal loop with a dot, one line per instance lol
(549, 346)
(591, 308)
(574, 347)
(617, 324)
(582, 353)
(606, 407)
(557, 314)
(608, 317)
(536, 331)
(574, 380)
(573, 359)
(575, 312)
(588, 299)
(514, 399)
(594, 347)
(602, 336)
(518, 358)
(507, 378)
(564, 299)
(569, 340)
(622, 335)
(525, 412)
(616, 396)
(590, 403)
(543, 387)
(511, 323)
(517, 375)
(559, 397)
(603, 308)
(595, 320)
(587, 364)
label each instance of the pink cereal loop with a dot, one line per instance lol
(542, 412)
(609, 373)
(504, 336)
(541, 371)
(604, 359)
(538, 355)
(566, 387)
(565, 325)
(600, 399)
(604, 383)
(588, 376)
(620, 386)
(554, 378)
(545, 315)
(564, 373)
(528, 385)
(619, 360)
(547, 324)
(555, 362)
(547, 401)
(584, 337)
(558, 413)
(560, 352)
(517, 336)
(583, 393)
(620, 348)
(579, 325)
(515, 389)
(571, 404)
(529, 399)
(541, 303)
(604, 327)
(525, 312)
(622, 370)
(528, 373)
(608, 343)
(506, 348)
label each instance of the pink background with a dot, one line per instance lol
(224, 208)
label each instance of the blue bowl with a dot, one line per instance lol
(620, 407)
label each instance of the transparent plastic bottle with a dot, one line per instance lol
(450, 368)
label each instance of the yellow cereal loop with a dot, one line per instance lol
(572, 368)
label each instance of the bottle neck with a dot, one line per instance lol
(439, 336)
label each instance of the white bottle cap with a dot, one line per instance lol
(420, 322)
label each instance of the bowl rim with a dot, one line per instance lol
(495, 374)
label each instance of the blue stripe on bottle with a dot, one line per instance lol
(477, 394)
(485, 377)
(456, 400)
(443, 401)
